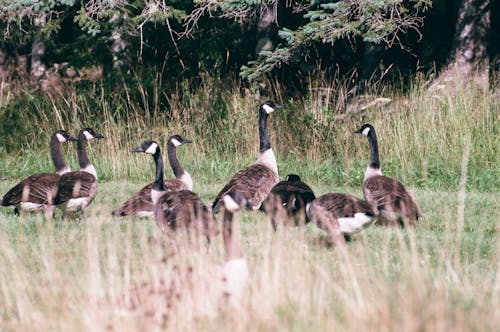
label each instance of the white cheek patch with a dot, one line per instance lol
(152, 148)
(60, 138)
(88, 135)
(366, 131)
(230, 204)
(175, 142)
(268, 108)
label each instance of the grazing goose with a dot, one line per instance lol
(140, 203)
(77, 189)
(177, 209)
(388, 197)
(340, 215)
(290, 196)
(37, 192)
(255, 181)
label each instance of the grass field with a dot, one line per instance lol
(82, 275)
(441, 276)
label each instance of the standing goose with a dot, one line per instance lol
(340, 215)
(140, 203)
(77, 189)
(255, 181)
(37, 192)
(217, 284)
(287, 200)
(387, 197)
(177, 209)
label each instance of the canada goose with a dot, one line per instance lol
(77, 189)
(290, 196)
(177, 209)
(340, 215)
(140, 203)
(37, 192)
(387, 197)
(218, 284)
(255, 181)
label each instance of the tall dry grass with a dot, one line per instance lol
(84, 275)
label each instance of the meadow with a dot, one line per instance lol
(442, 275)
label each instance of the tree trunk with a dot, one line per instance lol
(37, 65)
(469, 61)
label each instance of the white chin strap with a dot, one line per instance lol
(268, 108)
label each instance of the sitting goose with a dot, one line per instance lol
(37, 192)
(140, 203)
(77, 189)
(387, 197)
(177, 209)
(287, 200)
(255, 181)
(340, 215)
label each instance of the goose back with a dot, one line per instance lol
(390, 199)
(340, 214)
(253, 182)
(184, 210)
(291, 195)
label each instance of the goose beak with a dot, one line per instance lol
(185, 140)
(138, 149)
(99, 136)
(278, 106)
(71, 138)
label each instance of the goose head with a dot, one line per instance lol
(149, 146)
(270, 106)
(365, 129)
(89, 134)
(63, 136)
(177, 140)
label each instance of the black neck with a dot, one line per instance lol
(159, 183)
(81, 151)
(233, 250)
(265, 142)
(374, 158)
(174, 162)
(55, 152)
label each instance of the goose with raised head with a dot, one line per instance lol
(140, 204)
(37, 192)
(287, 201)
(388, 198)
(77, 189)
(175, 210)
(255, 181)
(340, 215)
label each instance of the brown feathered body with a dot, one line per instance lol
(76, 190)
(390, 200)
(340, 214)
(33, 194)
(287, 201)
(141, 205)
(253, 182)
(184, 210)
